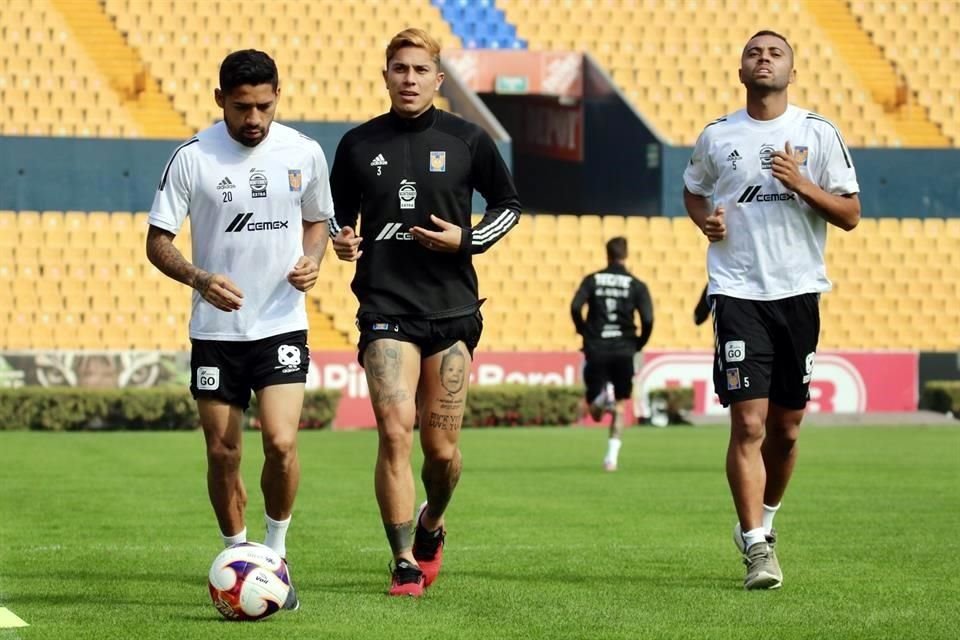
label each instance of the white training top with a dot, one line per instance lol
(775, 241)
(245, 206)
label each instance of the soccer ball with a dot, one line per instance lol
(248, 581)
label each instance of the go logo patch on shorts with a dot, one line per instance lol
(208, 378)
(734, 351)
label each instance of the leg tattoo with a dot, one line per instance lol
(445, 422)
(400, 536)
(440, 478)
(383, 364)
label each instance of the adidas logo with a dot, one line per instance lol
(225, 184)
(379, 161)
(734, 156)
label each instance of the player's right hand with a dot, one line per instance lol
(346, 244)
(220, 291)
(714, 227)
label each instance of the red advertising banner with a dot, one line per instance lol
(843, 382)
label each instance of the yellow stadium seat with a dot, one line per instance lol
(8, 223)
(98, 220)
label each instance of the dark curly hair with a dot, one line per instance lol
(247, 67)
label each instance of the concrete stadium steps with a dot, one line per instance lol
(865, 58)
(323, 333)
(919, 38)
(329, 53)
(119, 62)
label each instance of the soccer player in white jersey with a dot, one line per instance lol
(258, 196)
(762, 185)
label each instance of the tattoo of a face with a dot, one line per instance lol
(445, 422)
(383, 365)
(400, 536)
(453, 367)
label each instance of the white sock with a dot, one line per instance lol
(768, 513)
(236, 538)
(277, 534)
(754, 536)
(613, 449)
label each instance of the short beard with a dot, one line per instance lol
(239, 137)
(764, 90)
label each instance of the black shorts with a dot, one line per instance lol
(229, 371)
(432, 336)
(765, 349)
(615, 367)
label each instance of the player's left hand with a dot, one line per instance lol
(304, 273)
(786, 169)
(446, 240)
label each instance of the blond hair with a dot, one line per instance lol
(414, 38)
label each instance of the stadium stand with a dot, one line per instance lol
(662, 55)
(144, 68)
(920, 37)
(480, 25)
(141, 68)
(49, 85)
(74, 280)
(329, 53)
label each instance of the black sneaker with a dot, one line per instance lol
(406, 580)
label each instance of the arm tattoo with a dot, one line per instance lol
(168, 259)
(202, 283)
(400, 536)
(383, 365)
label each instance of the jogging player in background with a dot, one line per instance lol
(409, 176)
(258, 197)
(613, 298)
(763, 183)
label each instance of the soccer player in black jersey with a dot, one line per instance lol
(409, 176)
(613, 296)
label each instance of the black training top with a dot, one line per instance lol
(394, 173)
(613, 296)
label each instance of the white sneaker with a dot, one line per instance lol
(774, 564)
(762, 572)
(609, 465)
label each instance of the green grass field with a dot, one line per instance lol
(110, 535)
